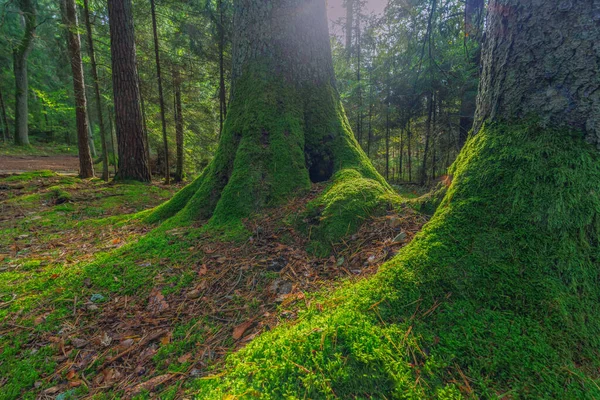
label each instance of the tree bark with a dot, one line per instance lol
(131, 137)
(542, 69)
(285, 126)
(161, 97)
(20, 55)
(69, 15)
(94, 68)
(178, 124)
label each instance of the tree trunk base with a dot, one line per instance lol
(279, 137)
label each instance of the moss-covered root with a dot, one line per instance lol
(499, 296)
(429, 202)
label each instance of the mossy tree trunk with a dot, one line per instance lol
(285, 126)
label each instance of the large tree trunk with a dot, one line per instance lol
(131, 137)
(285, 126)
(94, 67)
(498, 296)
(161, 98)
(69, 15)
(545, 69)
(20, 55)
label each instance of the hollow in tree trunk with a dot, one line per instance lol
(131, 137)
(69, 15)
(20, 55)
(285, 125)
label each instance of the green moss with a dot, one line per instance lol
(348, 202)
(497, 296)
(28, 176)
(429, 202)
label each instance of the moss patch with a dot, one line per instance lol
(348, 202)
(498, 296)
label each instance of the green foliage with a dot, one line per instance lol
(498, 296)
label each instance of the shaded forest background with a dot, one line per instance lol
(408, 79)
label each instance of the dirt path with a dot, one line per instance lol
(15, 164)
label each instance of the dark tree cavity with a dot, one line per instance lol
(131, 136)
(285, 125)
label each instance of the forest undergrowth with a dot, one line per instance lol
(96, 304)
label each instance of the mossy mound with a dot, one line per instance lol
(348, 202)
(498, 296)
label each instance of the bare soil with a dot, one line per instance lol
(17, 164)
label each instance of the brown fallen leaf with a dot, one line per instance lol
(71, 375)
(157, 302)
(239, 330)
(184, 358)
(203, 270)
(151, 384)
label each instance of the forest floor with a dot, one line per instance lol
(39, 156)
(65, 164)
(92, 305)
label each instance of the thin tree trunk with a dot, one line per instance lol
(430, 101)
(94, 68)
(112, 142)
(409, 150)
(400, 155)
(90, 130)
(387, 139)
(5, 130)
(222, 95)
(178, 124)
(86, 165)
(161, 98)
(20, 55)
(131, 137)
(370, 135)
(349, 26)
